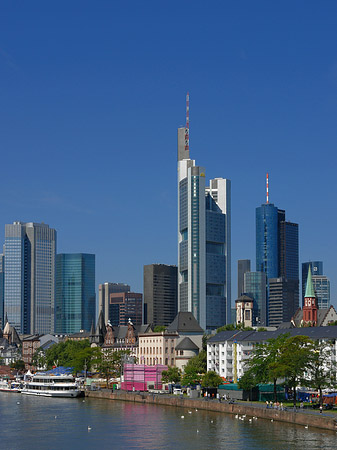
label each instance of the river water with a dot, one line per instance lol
(38, 423)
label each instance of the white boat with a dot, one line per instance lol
(10, 386)
(52, 386)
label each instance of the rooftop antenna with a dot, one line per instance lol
(187, 127)
(267, 188)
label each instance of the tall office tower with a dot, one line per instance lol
(104, 292)
(2, 284)
(204, 241)
(267, 240)
(75, 298)
(283, 300)
(160, 294)
(277, 254)
(322, 290)
(243, 267)
(316, 269)
(255, 286)
(29, 297)
(126, 306)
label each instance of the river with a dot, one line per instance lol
(39, 423)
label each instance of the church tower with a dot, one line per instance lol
(310, 303)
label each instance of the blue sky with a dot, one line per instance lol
(92, 93)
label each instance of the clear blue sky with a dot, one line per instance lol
(92, 93)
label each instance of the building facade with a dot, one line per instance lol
(29, 288)
(104, 291)
(316, 269)
(160, 294)
(75, 299)
(277, 255)
(322, 290)
(204, 242)
(243, 267)
(255, 286)
(125, 307)
(2, 290)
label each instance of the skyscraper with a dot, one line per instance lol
(124, 307)
(316, 269)
(277, 257)
(75, 298)
(204, 237)
(322, 290)
(243, 267)
(255, 286)
(104, 292)
(29, 297)
(160, 294)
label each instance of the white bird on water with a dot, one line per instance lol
(182, 417)
(18, 403)
(89, 428)
(306, 427)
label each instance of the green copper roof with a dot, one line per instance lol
(309, 290)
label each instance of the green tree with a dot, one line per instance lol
(296, 352)
(159, 328)
(211, 379)
(39, 359)
(76, 354)
(321, 369)
(191, 376)
(171, 375)
(247, 381)
(18, 365)
(109, 363)
(198, 362)
(266, 363)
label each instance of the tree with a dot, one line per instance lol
(76, 354)
(159, 328)
(198, 362)
(39, 359)
(171, 375)
(295, 358)
(266, 363)
(109, 363)
(247, 381)
(18, 365)
(191, 376)
(211, 379)
(321, 370)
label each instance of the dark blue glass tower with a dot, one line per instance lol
(75, 300)
(267, 236)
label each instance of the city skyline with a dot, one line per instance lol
(91, 104)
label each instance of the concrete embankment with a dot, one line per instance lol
(313, 420)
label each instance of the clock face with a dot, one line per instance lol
(309, 302)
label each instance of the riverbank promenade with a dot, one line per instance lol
(306, 418)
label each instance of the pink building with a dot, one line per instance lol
(140, 377)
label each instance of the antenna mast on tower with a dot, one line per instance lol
(267, 188)
(187, 127)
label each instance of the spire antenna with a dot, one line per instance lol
(187, 127)
(267, 188)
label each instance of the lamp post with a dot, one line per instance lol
(156, 360)
(142, 359)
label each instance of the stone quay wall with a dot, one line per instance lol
(313, 420)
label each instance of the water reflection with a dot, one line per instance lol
(41, 423)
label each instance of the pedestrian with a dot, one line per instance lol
(281, 406)
(267, 404)
(321, 409)
(301, 405)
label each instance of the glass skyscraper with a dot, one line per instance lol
(322, 290)
(2, 286)
(75, 299)
(204, 243)
(267, 240)
(29, 291)
(316, 269)
(255, 286)
(277, 256)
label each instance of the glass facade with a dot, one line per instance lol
(316, 269)
(255, 286)
(2, 283)
(321, 286)
(29, 280)
(267, 253)
(75, 298)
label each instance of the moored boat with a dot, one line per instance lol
(52, 386)
(10, 386)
